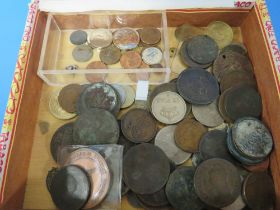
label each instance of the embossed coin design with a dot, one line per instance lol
(138, 126)
(78, 37)
(165, 140)
(150, 35)
(126, 38)
(100, 38)
(82, 53)
(187, 31)
(96, 77)
(169, 107)
(130, 96)
(145, 169)
(110, 55)
(131, 60)
(152, 55)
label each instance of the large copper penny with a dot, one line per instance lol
(110, 55)
(96, 167)
(150, 35)
(188, 134)
(96, 77)
(131, 60)
(138, 126)
(217, 182)
(126, 38)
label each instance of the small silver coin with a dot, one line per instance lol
(121, 91)
(82, 53)
(152, 55)
(78, 37)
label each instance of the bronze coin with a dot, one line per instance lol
(150, 35)
(138, 126)
(188, 134)
(68, 97)
(156, 199)
(217, 182)
(96, 77)
(110, 55)
(258, 191)
(131, 60)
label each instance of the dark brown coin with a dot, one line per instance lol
(150, 35)
(125, 143)
(258, 191)
(68, 97)
(235, 47)
(145, 169)
(221, 106)
(96, 77)
(138, 126)
(110, 55)
(156, 199)
(217, 182)
(180, 190)
(131, 60)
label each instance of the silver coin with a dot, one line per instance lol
(152, 55)
(78, 37)
(208, 115)
(100, 38)
(165, 140)
(121, 91)
(82, 53)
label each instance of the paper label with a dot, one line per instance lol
(244, 4)
(142, 90)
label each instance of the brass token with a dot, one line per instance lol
(131, 60)
(96, 77)
(130, 96)
(188, 134)
(68, 97)
(187, 31)
(110, 55)
(150, 35)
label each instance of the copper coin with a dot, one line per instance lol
(217, 182)
(138, 126)
(68, 97)
(188, 134)
(150, 35)
(131, 60)
(110, 55)
(126, 38)
(156, 199)
(96, 167)
(258, 191)
(96, 77)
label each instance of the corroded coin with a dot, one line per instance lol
(78, 37)
(188, 134)
(187, 31)
(156, 199)
(258, 191)
(208, 115)
(180, 190)
(97, 169)
(169, 107)
(110, 55)
(130, 96)
(197, 86)
(221, 32)
(96, 126)
(145, 169)
(82, 53)
(131, 60)
(165, 140)
(126, 38)
(235, 47)
(96, 77)
(217, 182)
(150, 35)
(100, 38)
(121, 91)
(138, 126)
(68, 97)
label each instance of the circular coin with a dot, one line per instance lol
(82, 53)
(152, 55)
(156, 199)
(165, 140)
(100, 38)
(217, 182)
(150, 35)
(126, 38)
(96, 77)
(188, 134)
(121, 91)
(235, 47)
(78, 37)
(130, 96)
(197, 86)
(187, 31)
(110, 55)
(131, 60)
(145, 169)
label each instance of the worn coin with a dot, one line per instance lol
(131, 60)
(150, 35)
(188, 134)
(156, 199)
(258, 191)
(82, 53)
(68, 97)
(78, 37)
(100, 38)
(187, 31)
(138, 126)
(165, 140)
(208, 115)
(180, 190)
(130, 96)
(125, 143)
(169, 107)
(96, 126)
(145, 169)
(196, 159)
(235, 47)
(221, 32)
(197, 86)
(97, 169)
(121, 91)
(217, 182)
(263, 166)
(126, 38)
(110, 55)
(152, 55)
(96, 77)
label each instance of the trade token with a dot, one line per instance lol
(96, 126)
(238, 204)
(208, 115)
(68, 97)
(138, 126)
(152, 55)
(258, 191)
(78, 37)
(187, 31)
(126, 38)
(100, 38)
(197, 86)
(196, 159)
(145, 169)
(110, 55)
(96, 77)
(133, 200)
(180, 190)
(150, 35)
(221, 32)
(82, 53)
(70, 188)
(72, 67)
(131, 60)
(130, 96)
(217, 182)
(156, 199)
(235, 47)
(56, 110)
(121, 91)
(188, 134)
(169, 107)
(165, 140)
(96, 167)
